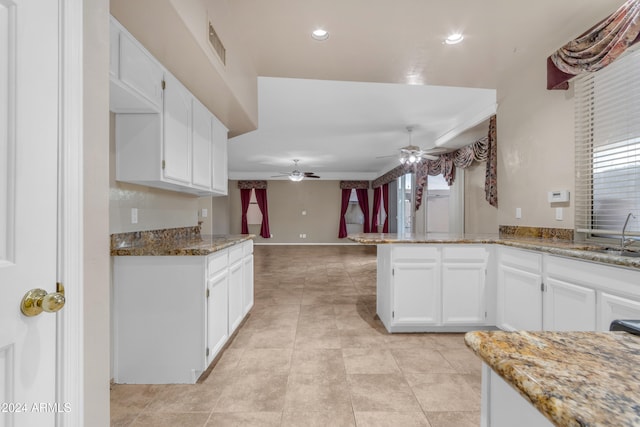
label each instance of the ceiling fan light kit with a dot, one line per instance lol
(296, 175)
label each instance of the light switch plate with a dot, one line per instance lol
(518, 213)
(559, 214)
(134, 215)
(204, 213)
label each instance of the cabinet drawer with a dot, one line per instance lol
(524, 260)
(416, 252)
(465, 253)
(235, 254)
(217, 261)
(247, 248)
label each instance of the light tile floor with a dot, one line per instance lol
(313, 353)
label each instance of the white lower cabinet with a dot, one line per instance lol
(247, 276)
(519, 299)
(415, 294)
(464, 291)
(217, 313)
(568, 307)
(235, 296)
(425, 288)
(173, 314)
(613, 307)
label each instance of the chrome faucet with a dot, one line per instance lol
(624, 242)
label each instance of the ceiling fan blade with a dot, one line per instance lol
(311, 176)
(279, 176)
(429, 157)
(386, 157)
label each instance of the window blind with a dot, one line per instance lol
(607, 137)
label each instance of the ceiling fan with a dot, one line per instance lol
(296, 175)
(412, 154)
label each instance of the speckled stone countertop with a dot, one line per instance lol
(567, 248)
(573, 378)
(199, 245)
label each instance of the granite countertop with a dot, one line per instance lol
(573, 378)
(196, 245)
(568, 248)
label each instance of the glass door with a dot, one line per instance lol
(406, 204)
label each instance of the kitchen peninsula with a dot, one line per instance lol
(178, 296)
(456, 283)
(571, 378)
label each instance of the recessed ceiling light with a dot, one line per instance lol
(454, 38)
(320, 34)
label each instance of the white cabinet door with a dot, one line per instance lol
(416, 299)
(247, 285)
(613, 307)
(217, 314)
(463, 293)
(235, 296)
(568, 307)
(201, 146)
(220, 168)
(519, 299)
(139, 70)
(114, 49)
(177, 132)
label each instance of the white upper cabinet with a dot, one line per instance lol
(177, 132)
(220, 171)
(202, 147)
(136, 77)
(165, 137)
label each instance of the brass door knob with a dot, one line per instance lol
(36, 301)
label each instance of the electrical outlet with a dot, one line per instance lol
(304, 236)
(559, 214)
(134, 215)
(204, 213)
(518, 213)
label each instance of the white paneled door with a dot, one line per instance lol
(29, 81)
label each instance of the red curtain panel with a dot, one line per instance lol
(363, 201)
(377, 193)
(245, 196)
(261, 198)
(342, 231)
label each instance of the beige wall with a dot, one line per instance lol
(156, 208)
(287, 200)
(96, 267)
(479, 216)
(535, 148)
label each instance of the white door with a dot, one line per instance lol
(28, 208)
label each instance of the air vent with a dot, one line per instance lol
(217, 45)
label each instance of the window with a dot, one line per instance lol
(608, 148)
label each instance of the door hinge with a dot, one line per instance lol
(164, 164)
(393, 271)
(542, 287)
(207, 351)
(164, 84)
(393, 314)
(207, 293)
(485, 314)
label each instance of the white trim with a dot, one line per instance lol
(70, 326)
